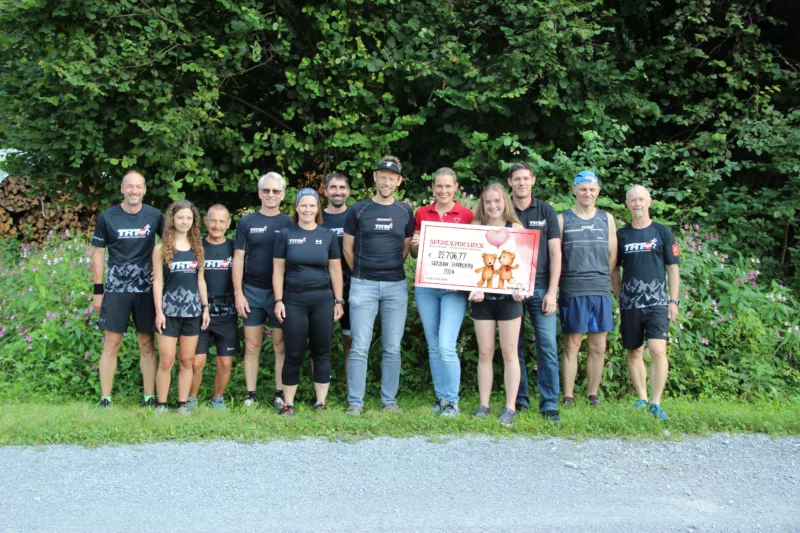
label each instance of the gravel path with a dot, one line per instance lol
(723, 483)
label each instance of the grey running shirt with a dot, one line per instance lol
(585, 256)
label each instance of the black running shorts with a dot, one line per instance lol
(652, 322)
(117, 308)
(224, 333)
(499, 310)
(182, 326)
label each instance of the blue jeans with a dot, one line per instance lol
(366, 297)
(547, 355)
(442, 312)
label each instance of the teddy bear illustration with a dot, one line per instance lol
(487, 271)
(504, 270)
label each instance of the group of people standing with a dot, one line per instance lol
(300, 275)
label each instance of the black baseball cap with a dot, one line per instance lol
(389, 165)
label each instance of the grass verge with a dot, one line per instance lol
(81, 423)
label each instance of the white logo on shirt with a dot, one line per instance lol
(319, 241)
(258, 230)
(648, 246)
(183, 266)
(297, 241)
(384, 227)
(137, 233)
(537, 223)
(218, 264)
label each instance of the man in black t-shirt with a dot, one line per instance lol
(252, 281)
(337, 190)
(377, 237)
(224, 328)
(645, 248)
(537, 215)
(129, 232)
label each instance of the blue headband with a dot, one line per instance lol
(305, 192)
(587, 176)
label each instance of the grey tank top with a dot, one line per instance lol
(585, 255)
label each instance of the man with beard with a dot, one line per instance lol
(337, 190)
(129, 232)
(252, 281)
(377, 237)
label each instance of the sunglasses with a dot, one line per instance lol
(273, 192)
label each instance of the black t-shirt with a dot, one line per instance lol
(306, 253)
(181, 297)
(130, 240)
(642, 254)
(540, 216)
(379, 232)
(218, 262)
(335, 223)
(256, 234)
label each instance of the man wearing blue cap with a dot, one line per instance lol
(377, 238)
(588, 254)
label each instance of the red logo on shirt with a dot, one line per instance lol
(675, 250)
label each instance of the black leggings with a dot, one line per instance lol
(309, 320)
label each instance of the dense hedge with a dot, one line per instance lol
(697, 98)
(739, 336)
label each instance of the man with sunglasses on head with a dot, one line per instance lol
(252, 281)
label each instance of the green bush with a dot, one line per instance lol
(737, 336)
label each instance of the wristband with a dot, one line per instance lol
(279, 300)
(204, 306)
(673, 301)
(340, 302)
(98, 289)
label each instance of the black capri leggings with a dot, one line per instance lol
(309, 320)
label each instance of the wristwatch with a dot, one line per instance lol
(673, 301)
(340, 302)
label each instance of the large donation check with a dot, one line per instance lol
(484, 258)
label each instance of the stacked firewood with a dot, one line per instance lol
(32, 215)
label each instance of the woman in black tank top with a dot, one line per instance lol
(490, 312)
(181, 299)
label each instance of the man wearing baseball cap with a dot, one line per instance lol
(377, 237)
(588, 254)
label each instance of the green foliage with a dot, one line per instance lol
(739, 336)
(694, 98)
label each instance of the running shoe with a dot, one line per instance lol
(438, 407)
(104, 404)
(287, 410)
(507, 418)
(150, 402)
(320, 406)
(219, 403)
(552, 415)
(569, 401)
(354, 410)
(482, 412)
(451, 409)
(658, 412)
(594, 400)
(184, 410)
(277, 401)
(191, 402)
(160, 408)
(390, 408)
(639, 404)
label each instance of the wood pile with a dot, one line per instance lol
(31, 215)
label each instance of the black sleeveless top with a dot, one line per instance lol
(181, 296)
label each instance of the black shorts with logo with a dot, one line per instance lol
(499, 310)
(652, 322)
(224, 333)
(117, 308)
(182, 326)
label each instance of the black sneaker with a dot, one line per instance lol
(104, 404)
(594, 400)
(149, 403)
(552, 415)
(277, 401)
(569, 401)
(520, 407)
